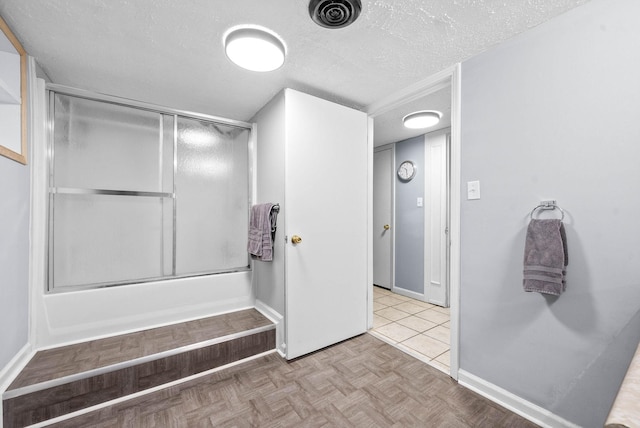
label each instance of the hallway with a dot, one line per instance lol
(420, 329)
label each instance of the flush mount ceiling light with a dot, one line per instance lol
(254, 48)
(422, 119)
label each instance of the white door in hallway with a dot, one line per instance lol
(382, 217)
(326, 185)
(436, 220)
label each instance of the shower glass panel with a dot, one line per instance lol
(138, 193)
(85, 251)
(212, 181)
(107, 146)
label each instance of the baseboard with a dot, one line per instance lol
(13, 367)
(408, 293)
(518, 405)
(275, 317)
(11, 371)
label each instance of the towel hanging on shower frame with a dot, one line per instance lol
(273, 218)
(262, 231)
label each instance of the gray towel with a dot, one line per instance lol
(545, 257)
(260, 244)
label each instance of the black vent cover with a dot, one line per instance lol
(334, 13)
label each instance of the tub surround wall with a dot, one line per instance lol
(82, 315)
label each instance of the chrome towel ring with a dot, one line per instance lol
(547, 205)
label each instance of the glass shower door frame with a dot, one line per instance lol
(52, 90)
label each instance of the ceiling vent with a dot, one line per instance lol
(334, 13)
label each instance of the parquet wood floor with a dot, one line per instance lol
(71, 396)
(362, 382)
(78, 358)
(32, 399)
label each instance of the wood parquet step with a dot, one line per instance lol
(68, 360)
(60, 381)
(362, 382)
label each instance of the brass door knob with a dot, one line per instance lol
(295, 239)
(386, 227)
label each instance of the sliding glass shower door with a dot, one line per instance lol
(138, 194)
(212, 214)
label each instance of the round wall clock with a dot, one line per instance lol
(406, 171)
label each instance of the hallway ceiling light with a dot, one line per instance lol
(422, 119)
(254, 48)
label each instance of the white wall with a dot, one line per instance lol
(269, 277)
(270, 121)
(553, 114)
(10, 110)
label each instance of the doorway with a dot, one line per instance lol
(410, 217)
(383, 217)
(413, 314)
(388, 127)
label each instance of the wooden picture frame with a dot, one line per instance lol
(17, 150)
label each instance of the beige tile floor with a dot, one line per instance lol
(418, 328)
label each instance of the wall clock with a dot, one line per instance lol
(406, 171)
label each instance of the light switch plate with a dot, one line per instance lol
(420, 202)
(473, 190)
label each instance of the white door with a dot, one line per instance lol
(326, 198)
(436, 219)
(382, 217)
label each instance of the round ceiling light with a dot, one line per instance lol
(422, 119)
(254, 48)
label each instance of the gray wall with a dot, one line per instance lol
(553, 114)
(409, 219)
(14, 258)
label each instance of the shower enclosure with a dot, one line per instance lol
(141, 193)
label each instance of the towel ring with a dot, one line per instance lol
(547, 207)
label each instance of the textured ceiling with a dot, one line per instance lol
(170, 52)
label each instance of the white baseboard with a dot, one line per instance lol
(518, 405)
(408, 293)
(11, 370)
(13, 367)
(277, 319)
